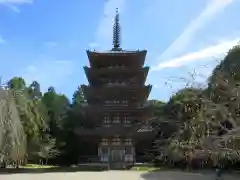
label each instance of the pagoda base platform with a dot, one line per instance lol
(116, 157)
(107, 166)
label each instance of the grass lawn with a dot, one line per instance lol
(145, 168)
(37, 166)
(52, 168)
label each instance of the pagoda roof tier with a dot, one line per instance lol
(100, 110)
(99, 119)
(113, 131)
(133, 59)
(94, 74)
(101, 94)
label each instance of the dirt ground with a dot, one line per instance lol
(117, 175)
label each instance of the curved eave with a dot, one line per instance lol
(95, 56)
(92, 72)
(146, 72)
(109, 131)
(98, 110)
(85, 89)
(138, 135)
(96, 71)
(145, 93)
(113, 53)
(90, 92)
(88, 73)
(149, 88)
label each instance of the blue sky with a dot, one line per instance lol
(45, 40)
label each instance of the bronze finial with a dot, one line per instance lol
(116, 32)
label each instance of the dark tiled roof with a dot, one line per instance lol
(116, 52)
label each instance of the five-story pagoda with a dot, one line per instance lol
(116, 97)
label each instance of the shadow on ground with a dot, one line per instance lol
(184, 175)
(51, 170)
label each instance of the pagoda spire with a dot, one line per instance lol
(116, 33)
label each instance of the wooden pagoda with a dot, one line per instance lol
(116, 100)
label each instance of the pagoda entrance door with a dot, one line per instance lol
(117, 158)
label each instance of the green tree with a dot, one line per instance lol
(12, 136)
(32, 114)
(208, 118)
(57, 106)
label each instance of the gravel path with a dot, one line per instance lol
(117, 175)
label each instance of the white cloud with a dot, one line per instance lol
(206, 53)
(49, 73)
(212, 9)
(13, 4)
(16, 2)
(104, 30)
